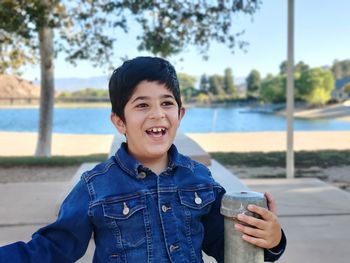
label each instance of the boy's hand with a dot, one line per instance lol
(267, 232)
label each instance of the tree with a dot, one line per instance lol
(186, 80)
(229, 86)
(216, 85)
(204, 84)
(283, 67)
(315, 86)
(187, 83)
(301, 67)
(273, 89)
(347, 88)
(253, 83)
(86, 30)
(341, 69)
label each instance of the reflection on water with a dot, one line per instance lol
(227, 119)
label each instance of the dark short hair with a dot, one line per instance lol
(126, 77)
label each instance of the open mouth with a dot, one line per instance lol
(156, 131)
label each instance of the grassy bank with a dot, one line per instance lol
(278, 159)
(50, 161)
(254, 159)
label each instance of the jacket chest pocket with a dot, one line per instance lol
(195, 204)
(197, 199)
(126, 218)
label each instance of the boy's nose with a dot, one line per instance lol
(157, 113)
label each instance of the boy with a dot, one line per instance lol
(148, 203)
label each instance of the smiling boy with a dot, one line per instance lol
(147, 203)
(149, 122)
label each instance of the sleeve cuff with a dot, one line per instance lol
(279, 249)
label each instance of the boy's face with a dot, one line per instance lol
(151, 120)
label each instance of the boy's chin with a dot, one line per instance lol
(159, 150)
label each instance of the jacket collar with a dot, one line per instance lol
(132, 166)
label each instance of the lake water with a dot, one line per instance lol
(202, 120)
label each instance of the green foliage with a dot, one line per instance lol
(204, 84)
(229, 86)
(341, 69)
(273, 89)
(85, 93)
(298, 68)
(203, 98)
(315, 86)
(253, 83)
(283, 67)
(50, 161)
(186, 80)
(216, 85)
(187, 83)
(325, 158)
(301, 67)
(86, 29)
(347, 88)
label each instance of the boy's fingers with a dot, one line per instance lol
(254, 232)
(271, 204)
(259, 242)
(263, 212)
(258, 223)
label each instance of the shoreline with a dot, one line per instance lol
(24, 143)
(58, 105)
(339, 111)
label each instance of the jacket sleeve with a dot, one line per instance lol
(275, 253)
(65, 240)
(213, 223)
(213, 243)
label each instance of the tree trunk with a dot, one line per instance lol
(43, 147)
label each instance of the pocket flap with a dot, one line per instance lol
(123, 209)
(196, 198)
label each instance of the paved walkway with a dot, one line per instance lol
(314, 215)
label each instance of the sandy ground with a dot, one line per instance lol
(272, 141)
(24, 143)
(19, 144)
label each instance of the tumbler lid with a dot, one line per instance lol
(235, 203)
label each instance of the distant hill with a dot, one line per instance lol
(99, 82)
(74, 84)
(14, 86)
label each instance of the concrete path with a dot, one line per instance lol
(314, 215)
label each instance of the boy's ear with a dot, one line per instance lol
(118, 123)
(181, 113)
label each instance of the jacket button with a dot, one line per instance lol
(141, 175)
(165, 208)
(126, 209)
(172, 248)
(197, 199)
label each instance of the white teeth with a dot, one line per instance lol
(156, 129)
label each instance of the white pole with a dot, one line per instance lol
(290, 91)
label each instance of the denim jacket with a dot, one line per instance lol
(135, 216)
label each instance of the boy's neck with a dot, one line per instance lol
(157, 166)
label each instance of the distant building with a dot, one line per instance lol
(339, 93)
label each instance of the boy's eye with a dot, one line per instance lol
(168, 103)
(141, 105)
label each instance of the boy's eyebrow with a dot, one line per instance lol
(165, 96)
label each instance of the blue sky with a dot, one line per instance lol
(322, 34)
